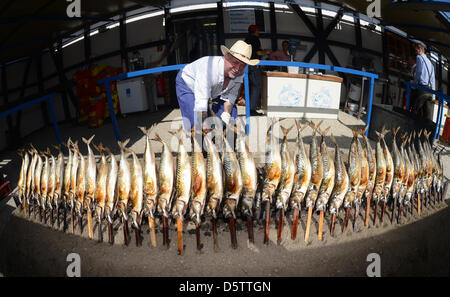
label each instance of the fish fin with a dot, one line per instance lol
(395, 131)
(314, 126)
(363, 131)
(144, 130)
(324, 132)
(57, 147)
(333, 139)
(286, 130)
(157, 137)
(380, 135)
(99, 147)
(88, 141)
(75, 146)
(123, 144)
(297, 124)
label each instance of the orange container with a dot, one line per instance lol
(446, 133)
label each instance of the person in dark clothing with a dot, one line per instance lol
(254, 72)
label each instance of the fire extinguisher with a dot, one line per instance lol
(160, 86)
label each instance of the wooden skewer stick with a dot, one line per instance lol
(80, 223)
(137, 233)
(333, 223)
(319, 235)
(100, 233)
(58, 222)
(126, 236)
(418, 204)
(214, 230)
(51, 217)
(251, 237)
(383, 210)
(151, 226)
(393, 210)
(90, 226)
(375, 213)
(25, 205)
(355, 221)
(233, 233)
(267, 224)
(295, 223)
(180, 236)
(72, 213)
(366, 222)
(110, 233)
(347, 218)
(308, 223)
(197, 235)
(165, 233)
(65, 219)
(280, 226)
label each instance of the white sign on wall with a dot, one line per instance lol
(239, 20)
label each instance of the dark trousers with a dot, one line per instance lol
(254, 77)
(422, 104)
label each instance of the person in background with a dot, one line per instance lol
(281, 55)
(421, 101)
(254, 72)
(215, 77)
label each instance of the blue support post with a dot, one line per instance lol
(439, 118)
(369, 109)
(111, 110)
(247, 102)
(55, 123)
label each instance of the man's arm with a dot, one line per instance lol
(419, 67)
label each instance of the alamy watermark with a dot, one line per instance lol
(74, 268)
(74, 8)
(374, 268)
(374, 9)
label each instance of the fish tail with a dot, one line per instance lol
(333, 139)
(324, 132)
(380, 135)
(123, 144)
(144, 130)
(88, 141)
(286, 130)
(157, 137)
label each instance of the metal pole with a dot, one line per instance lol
(369, 107)
(247, 102)
(439, 118)
(55, 123)
(111, 109)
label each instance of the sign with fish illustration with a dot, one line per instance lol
(300, 95)
(290, 96)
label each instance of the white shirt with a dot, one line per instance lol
(424, 72)
(205, 78)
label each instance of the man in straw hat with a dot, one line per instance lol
(215, 77)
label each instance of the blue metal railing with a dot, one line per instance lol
(441, 97)
(107, 81)
(49, 98)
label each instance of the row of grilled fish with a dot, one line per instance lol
(80, 185)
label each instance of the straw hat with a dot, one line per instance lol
(240, 50)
